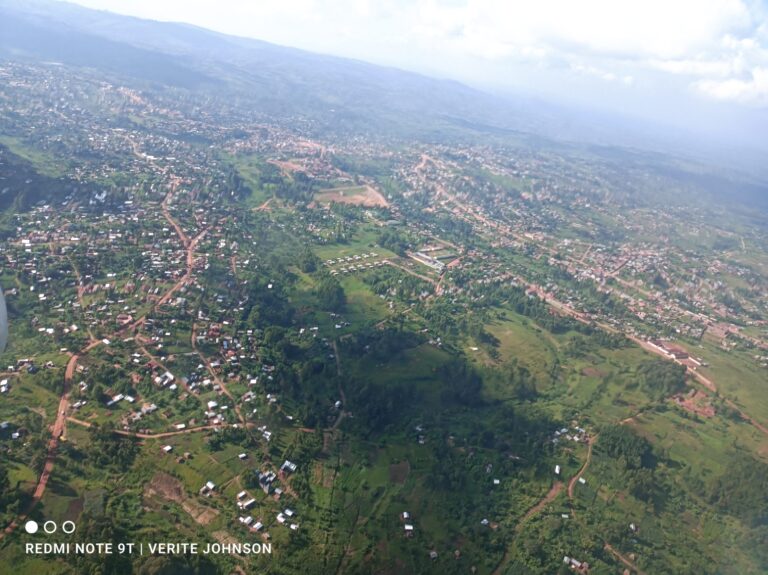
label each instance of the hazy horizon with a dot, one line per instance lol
(700, 67)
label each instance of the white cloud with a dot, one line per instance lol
(717, 68)
(719, 44)
(652, 28)
(734, 72)
(752, 91)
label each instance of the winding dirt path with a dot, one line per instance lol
(59, 427)
(623, 559)
(263, 207)
(57, 431)
(553, 492)
(575, 478)
(164, 433)
(216, 379)
(179, 232)
(572, 484)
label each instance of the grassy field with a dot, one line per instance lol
(362, 304)
(363, 307)
(520, 339)
(249, 168)
(42, 162)
(26, 396)
(738, 377)
(363, 241)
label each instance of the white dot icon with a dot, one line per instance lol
(31, 526)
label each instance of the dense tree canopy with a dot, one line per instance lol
(330, 294)
(621, 443)
(110, 449)
(661, 378)
(741, 489)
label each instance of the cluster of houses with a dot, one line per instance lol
(167, 449)
(577, 434)
(146, 409)
(195, 383)
(245, 501)
(117, 399)
(350, 259)
(356, 263)
(576, 565)
(588, 262)
(408, 527)
(266, 434)
(108, 232)
(213, 416)
(421, 437)
(266, 480)
(427, 260)
(165, 379)
(208, 489)
(21, 365)
(251, 523)
(6, 425)
(285, 517)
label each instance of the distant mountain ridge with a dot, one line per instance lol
(340, 94)
(349, 93)
(337, 95)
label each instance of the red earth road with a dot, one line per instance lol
(59, 425)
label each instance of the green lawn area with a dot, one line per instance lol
(738, 377)
(363, 306)
(597, 383)
(705, 445)
(417, 365)
(363, 241)
(43, 163)
(249, 168)
(22, 474)
(519, 338)
(26, 396)
(602, 385)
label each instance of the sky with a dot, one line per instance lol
(691, 63)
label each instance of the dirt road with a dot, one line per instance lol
(572, 486)
(554, 491)
(164, 433)
(702, 379)
(59, 425)
(623, 559)
(263, 207)
(57, 431)
(575, 478)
